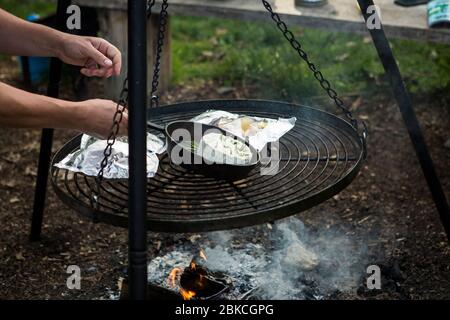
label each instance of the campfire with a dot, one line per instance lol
(291, 262)
(195, 281)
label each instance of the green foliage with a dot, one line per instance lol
(256, 54)
(23, 8)
(425, 67)
(236, 52)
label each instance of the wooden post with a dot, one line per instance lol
(114, 27)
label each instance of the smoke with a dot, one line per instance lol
(286, 261)
(308, 264)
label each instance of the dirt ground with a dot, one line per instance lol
(388, 203)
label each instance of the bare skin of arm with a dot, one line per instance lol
(95, 56)
(21, 109)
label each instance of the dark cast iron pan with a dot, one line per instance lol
(196, 162)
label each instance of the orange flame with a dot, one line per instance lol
(174, 274)
(187, 295)
(203, 255)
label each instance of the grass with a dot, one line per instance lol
(250, 53)
(245, 53)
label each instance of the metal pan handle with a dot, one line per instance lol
(156, 126)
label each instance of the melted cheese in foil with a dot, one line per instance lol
(222, 149)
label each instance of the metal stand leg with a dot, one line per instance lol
(47, 137)
(137, 128)
(41, 184)
(409, 117)
(25, 61)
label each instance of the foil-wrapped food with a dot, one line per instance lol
(258, 132)
(87, 159)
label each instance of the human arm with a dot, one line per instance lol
(96, 56)
(22, 109)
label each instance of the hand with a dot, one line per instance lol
(96, 118)
(97, 56)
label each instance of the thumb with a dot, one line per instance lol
(99, 57)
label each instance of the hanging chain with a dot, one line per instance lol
(122, 105)
(324, 83)
(163, 16)
(150, 4)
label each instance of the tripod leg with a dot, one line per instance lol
(47, 136)
(409, 117)
(41, 183)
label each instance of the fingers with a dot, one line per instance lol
(112, 58)
(100, 59)
(91, 70)
(116, 57)
(95, 72)
(123, 129)
(109, 73)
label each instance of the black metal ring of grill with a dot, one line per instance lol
(320, 156)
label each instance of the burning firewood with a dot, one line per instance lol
(196, 282)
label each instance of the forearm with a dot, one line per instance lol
(20, 37)
(22, 109)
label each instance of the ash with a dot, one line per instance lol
(280, 261)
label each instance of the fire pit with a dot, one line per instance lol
(194, 282)
(287, 261)
(319, 157)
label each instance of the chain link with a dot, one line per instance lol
(163, 16)
(122, 105)
(150, 4)
(324, 83)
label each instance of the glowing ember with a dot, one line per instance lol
(187, 295)
(173, 276)
(202, 255)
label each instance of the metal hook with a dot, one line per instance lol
(154, 101)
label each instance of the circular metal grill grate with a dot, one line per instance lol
(320, 156)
